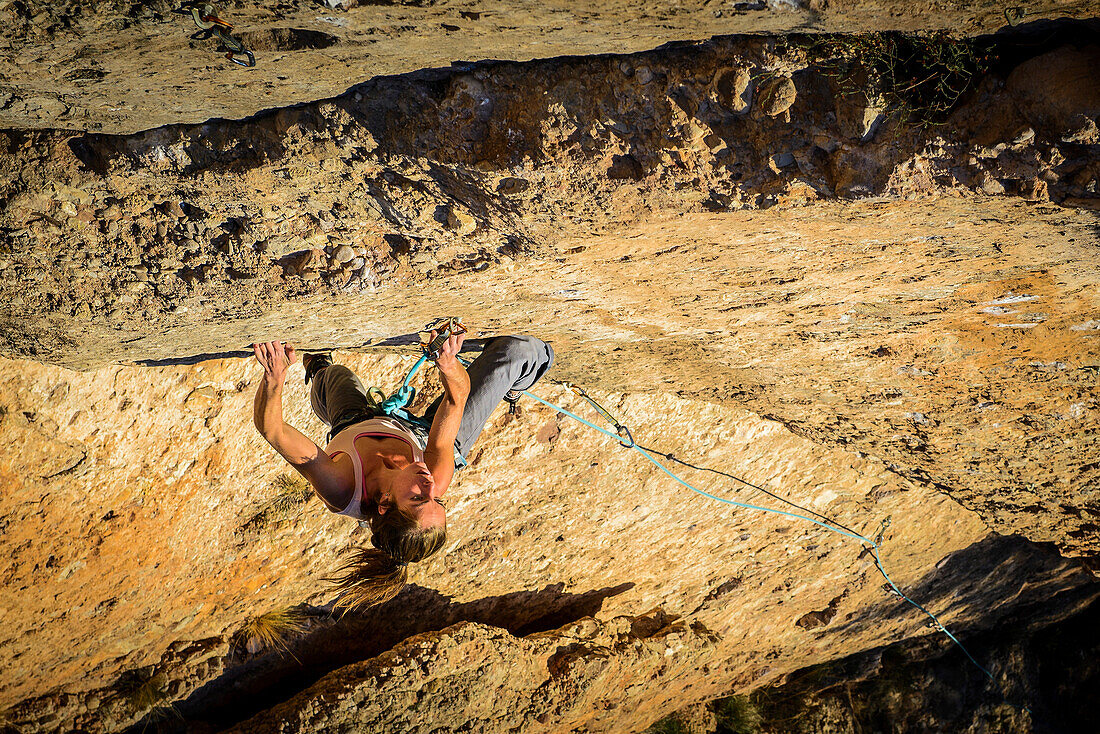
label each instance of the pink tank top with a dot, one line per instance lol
(344, 443)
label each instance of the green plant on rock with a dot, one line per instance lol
(919, 78)
(667, 725)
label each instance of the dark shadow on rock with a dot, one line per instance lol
(254, 683)
(287, 39)
(1046, 659)
(402, 340)
(978, 586)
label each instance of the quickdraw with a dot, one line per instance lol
(444, 328)
(394, 405)
(626, 440)
(211, 25)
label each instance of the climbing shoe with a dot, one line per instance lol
(314, 363)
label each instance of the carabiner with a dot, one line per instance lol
(625, 439)
(251, 59)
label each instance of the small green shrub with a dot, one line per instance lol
(667, 725)
(919, 78)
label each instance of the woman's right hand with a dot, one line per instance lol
(453, 375)
(276, 360)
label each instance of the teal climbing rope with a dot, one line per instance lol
(662, 467)
(873, 545)
(395, 404)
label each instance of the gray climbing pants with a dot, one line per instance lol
(506, 363)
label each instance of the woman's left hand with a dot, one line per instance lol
(447, 357)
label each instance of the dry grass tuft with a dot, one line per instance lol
(286, 494)
(271, 630)
(144, 690)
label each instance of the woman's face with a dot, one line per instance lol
(412, 488)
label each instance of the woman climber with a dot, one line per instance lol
(384, 470)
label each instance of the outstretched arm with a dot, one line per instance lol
(302, 453)
(439, 454)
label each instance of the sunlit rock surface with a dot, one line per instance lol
(151, 527)
(753, 266)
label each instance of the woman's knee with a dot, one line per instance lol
(533, 356)
(523, 347)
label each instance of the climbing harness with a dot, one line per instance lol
(211, 25)
(395, 403)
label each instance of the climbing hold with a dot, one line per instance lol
(732, 89)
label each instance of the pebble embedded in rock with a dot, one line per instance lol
(990, 185)
(778, 96)
(732, 88)
(343, 254)
(782, 160)
(1024, 136)
(460, 221)
(512, 185)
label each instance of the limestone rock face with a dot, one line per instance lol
(120, 67)
(172, 533)
(163, 230)
(897, 331)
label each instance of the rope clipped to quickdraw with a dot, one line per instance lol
(211, 25)
(626, 440)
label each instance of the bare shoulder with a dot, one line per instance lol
(332, 480)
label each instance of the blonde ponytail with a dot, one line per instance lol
(368, 577)
(371, 576)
